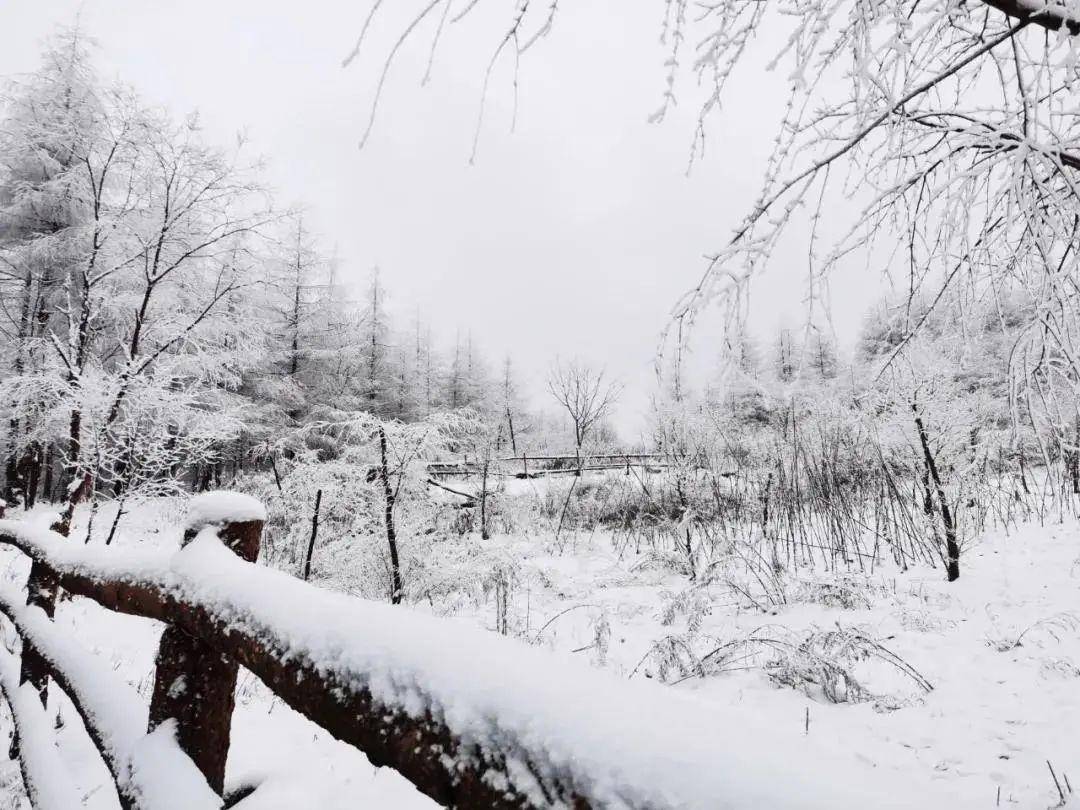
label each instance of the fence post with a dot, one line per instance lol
(42, 586)
(194, 684)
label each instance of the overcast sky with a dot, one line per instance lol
(574, 234)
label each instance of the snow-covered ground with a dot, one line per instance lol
(1000, 647)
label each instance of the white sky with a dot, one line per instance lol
(574, 234)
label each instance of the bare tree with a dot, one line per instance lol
(585, 394)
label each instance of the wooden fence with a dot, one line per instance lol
(196, 670)
(198, 657)
(472, 719)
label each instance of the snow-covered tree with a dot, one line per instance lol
(52, 121)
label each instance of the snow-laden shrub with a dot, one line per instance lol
(672, 562)
(1048, 630)
(841, 665)
(460, 573)
(693, 604)
(838, 590)
(838, 665)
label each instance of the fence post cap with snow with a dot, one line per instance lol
(219, 508)
(239, 519)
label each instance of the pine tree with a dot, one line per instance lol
(51, 119)
(375, 373)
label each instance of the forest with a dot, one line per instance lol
(860, 555)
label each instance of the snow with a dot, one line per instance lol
(623, 744)
(218, 508)
(152, 769)
(997, 713)
(51, 787)
(296, 765)
(162, 775)
(993, 719)
(33, 538)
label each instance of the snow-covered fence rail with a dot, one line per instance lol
(44, 774)
(472, 719)
(170, 758)
(115, 719)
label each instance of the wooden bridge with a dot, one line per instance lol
(538, 466)
(472, 719)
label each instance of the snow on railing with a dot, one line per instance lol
(45, 775)
(150, 770)
(471, 718)
(222, 508)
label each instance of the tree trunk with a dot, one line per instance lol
(314, 534)
(1074, 460)
(11, 465)
(47, 474)
(510, 424)
(277, 476)
(32, 463)
(14, 481)
(294, 358)
(483, 502)
(952, 548)
(388, 516)
(116, 522)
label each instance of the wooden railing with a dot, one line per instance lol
(472, 719)
(205, 640)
